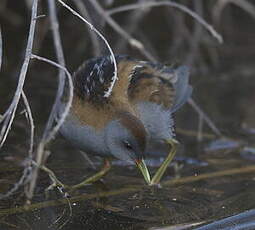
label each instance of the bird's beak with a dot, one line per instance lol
(142, 166)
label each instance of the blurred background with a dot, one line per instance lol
(222, 75)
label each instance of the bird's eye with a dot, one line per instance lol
(128, 145)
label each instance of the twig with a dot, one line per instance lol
(191, 133)
(132, 41)
(1, 48)
(93, 37)
(220, 5)
(52, 133)
(180, 32)
(61, 61)
(49, 133)
(69, 101)
(133, 20)
(115, 77)
(22, 181)
(26, 172)
(147, 54)
(171, 4)
(125, 190)
(10, 113)
(200, 128)
(197, 35)
(31, 123)
(205, 117)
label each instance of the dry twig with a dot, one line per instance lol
(220, 5)
(1, 48)
(10, 112)
(93, 37)
(40, 150)
(50, 131)
(115, 77)
(171, 4)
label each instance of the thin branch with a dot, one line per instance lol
(197, 35)
(61, 61)
(200, 128)
(205, 117)
(243, 4)
(115, 77)
(31, 123)
(132, 41)
(148, 54)
(93, 37)
(1, 48)
(22, 181)
(69, 101)
(52, 133)
(124, 190)
(49, 133)
(171, 4)
(133, 20)
(8, 119)
(26, 172)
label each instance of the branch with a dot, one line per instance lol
(93, 37)
(132, 41)
(1, 48)
(202, 114)
(115, 77)
(171, 4)
(40, 150)
(243, 4)
(10, 113)
(27, 170)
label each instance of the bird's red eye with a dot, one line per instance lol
(128, 145)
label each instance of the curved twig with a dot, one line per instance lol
(52, 133)
(171, 4)
(69, 101)
(10, 113)
(93, 37)
(115, 77)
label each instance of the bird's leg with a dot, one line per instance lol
(106, 167)
(157, 177)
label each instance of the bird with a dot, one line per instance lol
(130, 119)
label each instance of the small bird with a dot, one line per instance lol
(133, 119)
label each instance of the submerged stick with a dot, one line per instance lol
(125, 190)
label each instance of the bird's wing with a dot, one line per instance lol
(93, 79)
(160, 84)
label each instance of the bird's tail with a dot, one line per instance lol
(182, 88)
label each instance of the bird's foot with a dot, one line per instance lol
(160, 172)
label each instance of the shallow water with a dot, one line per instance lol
(190, 194)
(207, 182)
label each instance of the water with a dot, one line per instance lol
(208, 181)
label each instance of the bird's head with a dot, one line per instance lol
(125, 139)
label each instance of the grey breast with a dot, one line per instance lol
(81, 136)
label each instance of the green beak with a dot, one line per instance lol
(143, 168)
